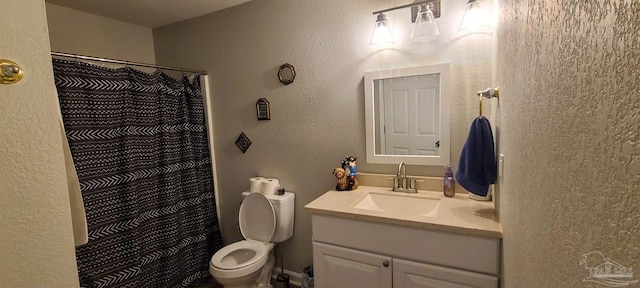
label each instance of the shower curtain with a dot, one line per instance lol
(140, 148)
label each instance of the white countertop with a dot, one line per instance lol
(457, 215)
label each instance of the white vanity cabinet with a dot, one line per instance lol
(349, 253)
(339, 267)
(410, 274)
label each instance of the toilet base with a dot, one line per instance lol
(265, 276)
(258, 279)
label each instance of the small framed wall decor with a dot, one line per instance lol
(262, 109)
(243, 142)
(286, 74)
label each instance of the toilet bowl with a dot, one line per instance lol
(264, 220)
(240, 264)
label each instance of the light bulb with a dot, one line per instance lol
(381, 31)
(425, 26)
(477, 17)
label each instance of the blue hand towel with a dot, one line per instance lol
(477, 166)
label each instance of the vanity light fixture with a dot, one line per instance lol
(477, 17)
(423, 14)
(425, 26)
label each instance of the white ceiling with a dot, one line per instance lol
(148, 13)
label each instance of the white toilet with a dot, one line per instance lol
(264, 221)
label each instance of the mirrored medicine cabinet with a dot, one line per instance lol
(407, 115)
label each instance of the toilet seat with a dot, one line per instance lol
(240, 254)
(222, 266)
(257, 221)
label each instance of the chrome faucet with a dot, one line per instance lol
(401, 183)
(402, 170)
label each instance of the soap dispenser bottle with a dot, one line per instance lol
(449, 183)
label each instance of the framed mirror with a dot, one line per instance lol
(407, 115)
(286, 74)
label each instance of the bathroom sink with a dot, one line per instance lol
(400, 204)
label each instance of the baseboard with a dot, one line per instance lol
(294, 278)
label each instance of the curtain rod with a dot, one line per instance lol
(107, 60)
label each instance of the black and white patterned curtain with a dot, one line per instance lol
(139, 144)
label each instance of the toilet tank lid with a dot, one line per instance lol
(277, 199)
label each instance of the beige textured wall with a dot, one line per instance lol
(36, 242)
(78, 32)
(569, 129)
(319, 118)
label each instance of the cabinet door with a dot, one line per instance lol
(409, 274)
(337, 267)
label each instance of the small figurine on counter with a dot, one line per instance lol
(342, 179)
(349, 168)
(351, 162)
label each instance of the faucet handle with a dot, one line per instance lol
(412, 182)
(396, 181)
(400, 182)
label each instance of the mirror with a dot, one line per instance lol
(286, 74)
(407, 115)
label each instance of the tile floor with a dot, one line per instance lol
(213, 284)
(210, 284)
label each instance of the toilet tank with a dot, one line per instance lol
(284, 209)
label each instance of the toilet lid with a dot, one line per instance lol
(257, 218)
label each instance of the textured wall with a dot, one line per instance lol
(78, 32)
(320, 117)
(36, 241)
(569, 128)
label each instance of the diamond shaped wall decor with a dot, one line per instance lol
(243, 142)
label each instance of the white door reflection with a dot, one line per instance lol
(409, 115)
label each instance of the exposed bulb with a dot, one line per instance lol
(477, 17)
(425, 26)
(381, 31)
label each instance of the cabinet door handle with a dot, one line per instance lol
(385, 263)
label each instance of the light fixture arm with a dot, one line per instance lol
(404, 6)
(424, 28)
